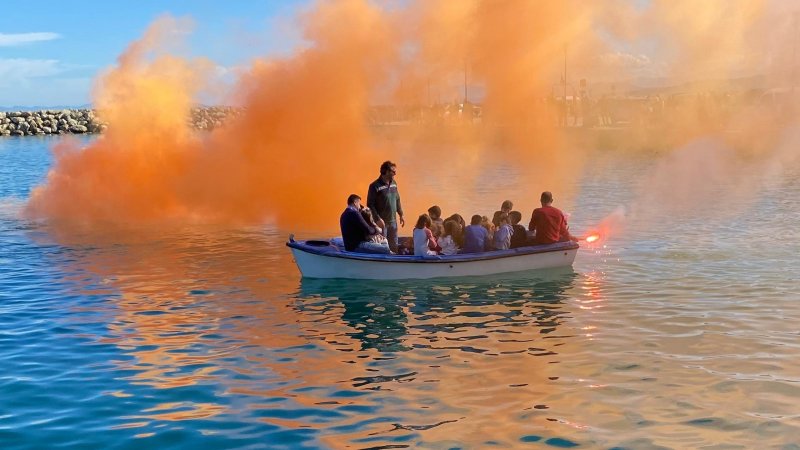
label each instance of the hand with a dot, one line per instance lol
(402, 221)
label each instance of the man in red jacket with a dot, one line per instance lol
(549, 223)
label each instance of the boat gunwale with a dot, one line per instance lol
(443, 259)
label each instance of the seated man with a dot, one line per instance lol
(356, 231)
(476, 237)
(549, 223)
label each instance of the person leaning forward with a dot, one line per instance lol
(549, 223)
(356, 230)
(383, 199)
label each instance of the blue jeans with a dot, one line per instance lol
(372, 247)
(391, 235)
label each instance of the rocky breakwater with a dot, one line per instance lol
(28, 123)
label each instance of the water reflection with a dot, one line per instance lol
(215, 329)
(379, 312)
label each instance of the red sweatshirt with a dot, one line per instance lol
(550, 225)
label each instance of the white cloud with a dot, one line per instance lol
(15, 70)
(13, 39)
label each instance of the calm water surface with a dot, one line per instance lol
(207, 338)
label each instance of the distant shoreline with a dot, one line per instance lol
(87, 121)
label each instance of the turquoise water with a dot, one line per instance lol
(682, 332)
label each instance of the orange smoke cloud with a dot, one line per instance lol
(303, 141)
(297, 151)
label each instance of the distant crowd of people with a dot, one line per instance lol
(374, 228)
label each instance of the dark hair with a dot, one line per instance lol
(366, 213)
(435, 212)
(502, 217)
(506, 205)
(515, 217)
(386, 166)
(476, 220)
(457, 217)
(423, 221)
(352, 199)
(451, 227)
(547, 197)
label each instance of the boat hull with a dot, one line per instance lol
(347, 265)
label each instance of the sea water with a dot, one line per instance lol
(680, 334)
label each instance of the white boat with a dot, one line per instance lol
(329, 259)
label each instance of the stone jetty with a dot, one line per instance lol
(80, 121)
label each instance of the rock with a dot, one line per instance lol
(17, 133)
(24, 126)
(78, 129)
(17, 120)
(47, 130)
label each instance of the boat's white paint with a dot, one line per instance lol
(321, 266)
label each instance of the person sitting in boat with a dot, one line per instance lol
(356, 230)
(448, 242)
(458, 234)
(520, 236)
(506, 207)
(437, 224)
(490, 228)
(378, 238)
(549, 223)
(476, 237)
(424, 242)
(502, 236)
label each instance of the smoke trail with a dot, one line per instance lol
(303, 142)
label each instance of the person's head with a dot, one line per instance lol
(451, 228)
(476, 220)
(459, 219)
(424, 221)
(354, 200)
(515, 217)
(435, 212)
(388, 169)
(502, 218)
(546, 198)
(487, 223)
(366, 213)
(507, 206)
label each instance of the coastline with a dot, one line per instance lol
(89, 121)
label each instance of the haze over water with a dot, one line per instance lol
(678, 334)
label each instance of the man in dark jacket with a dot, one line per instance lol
(549, 223)
(383, 199)
(355, 229)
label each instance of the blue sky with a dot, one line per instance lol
(50, 51)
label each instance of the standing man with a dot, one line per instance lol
(549, 223)
(384, 199)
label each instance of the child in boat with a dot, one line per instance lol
(476, 238)
(458, 236)
(437, 224)
(486, 223)
(502, 236)
(447, 241)
(378, 237)
(520, 236)
(424, 242)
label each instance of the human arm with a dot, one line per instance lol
(372, 200)
(400, 210)
(564, 231)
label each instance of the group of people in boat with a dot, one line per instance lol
(372, 228)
